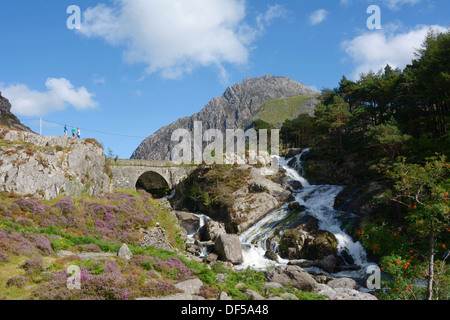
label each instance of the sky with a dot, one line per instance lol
(126, 68)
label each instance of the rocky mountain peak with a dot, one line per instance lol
(235, 109)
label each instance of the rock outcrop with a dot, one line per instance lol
(7, 118)
(47, 167)
(235, 109)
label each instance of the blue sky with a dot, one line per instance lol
(138, 65)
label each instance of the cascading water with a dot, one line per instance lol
(318, 201)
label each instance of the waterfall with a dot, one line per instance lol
(318, 201)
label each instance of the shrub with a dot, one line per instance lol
(18, 282)
(33, 265)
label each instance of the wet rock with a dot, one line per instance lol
(188, 221)
(271, 255)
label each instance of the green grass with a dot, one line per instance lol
(276, 112)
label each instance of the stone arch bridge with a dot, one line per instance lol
(152, 176)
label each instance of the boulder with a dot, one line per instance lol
(253, 295)
(343, 293)
(188, 221)
(228, 248)
(327, 264)
(271, 255)
(211, 230)
(191, 286)
(343, 283)
(293, 276)
(295, 206)
(156, 237)
(125, 252)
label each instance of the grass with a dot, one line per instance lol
(277, 111)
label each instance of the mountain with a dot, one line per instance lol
(237, 108)
(7, 118)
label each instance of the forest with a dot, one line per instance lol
(397, 123)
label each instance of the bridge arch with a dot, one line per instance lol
(154, 183)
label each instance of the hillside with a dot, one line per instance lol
(235, 109)
(277, 111)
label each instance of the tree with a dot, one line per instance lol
(388, 137)
(334, 117)
(424, 190)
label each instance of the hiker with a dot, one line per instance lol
(73, 131)
(78, 133)
(65, 130)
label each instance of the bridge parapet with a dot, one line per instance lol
(127, 173)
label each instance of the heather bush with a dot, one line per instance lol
(174, 268)
(209, 292)
(41, 242)
(15, 243)
(33, 265)
(4, 257)
(29, 205)
(18, 282)
(66, 205)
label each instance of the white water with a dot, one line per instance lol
(319, 202)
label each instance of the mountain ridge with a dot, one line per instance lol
(235, 109)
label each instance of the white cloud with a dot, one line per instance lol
(318, 16)
(371, 51)
(60, 94)
(175, 37)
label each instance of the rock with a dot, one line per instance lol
(295, 185)
(271, 255)
(322, 244)
(47, 167)
(343, 293)
(292, 276)
(156, 237)
(211, 230)
(194, 249)
(288, 296)
(7, 118)
(229, 249)
(221, 277)
(253, 294)
(125, 252)
(65, 254)
(291, 152)
(259, 183)
(188, 221)
(295, 206)
(273, 285)
(191, 286)
(224, 296)
(327, 264)
(211, 258)
(342, 283)
(96, 256)
(303, 263)
(175, 297)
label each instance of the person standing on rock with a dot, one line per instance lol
(65, 130)
(78, 133)
(73, 131)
